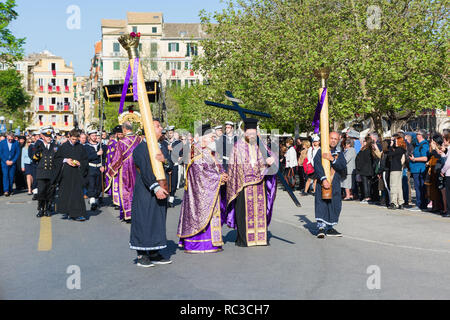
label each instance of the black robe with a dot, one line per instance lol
(328, 211)
(70, 179)
(148, 223)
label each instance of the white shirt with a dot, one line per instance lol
(291, 158)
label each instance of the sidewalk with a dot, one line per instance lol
(371, 223)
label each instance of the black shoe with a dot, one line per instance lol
(333, 233)
(40, 214)
(65, 217)
(400, 207)
(34, 197)
(392, 206)
(446, 215)
(144, 261)
(321, 233)
(159, 259)
(6, 194)
(304, 193)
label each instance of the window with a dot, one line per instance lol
(186, 83)
(154, 66)
(188, 65)
(174, 46)
(53, 66)
(140, 47)
(174, 65)
(154, 29)
(179, 83)
(116, 65)
(135, 29)
(110, 82)
(192, 49)
(153, 50)
(116, 47)
(53, 101)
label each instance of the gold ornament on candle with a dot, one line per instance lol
(130, 42)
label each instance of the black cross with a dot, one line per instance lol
(242, 112)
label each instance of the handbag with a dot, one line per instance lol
(308, 167)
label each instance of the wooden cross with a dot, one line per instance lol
(242, 113)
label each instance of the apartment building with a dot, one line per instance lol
(51, 85)
(166, 49)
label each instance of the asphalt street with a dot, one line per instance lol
(383, 255)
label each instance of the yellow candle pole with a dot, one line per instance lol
(322, 74)
(131, 44)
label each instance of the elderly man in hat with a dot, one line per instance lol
(112, 184)
(122, 165)
(200, 223)
(251, 189)
(45, 173)
(96, 156)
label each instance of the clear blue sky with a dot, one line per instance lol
(44, 23)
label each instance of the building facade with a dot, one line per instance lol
(50, 82)
(166, 49)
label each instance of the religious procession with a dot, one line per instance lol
(275, 150)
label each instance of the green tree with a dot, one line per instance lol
(12, 94)
(265, 52)
(11, 48)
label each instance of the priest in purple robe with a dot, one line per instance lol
(112, 184)
(251, 189)
(122, 166)
(201, 217)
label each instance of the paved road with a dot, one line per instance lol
(410, 252)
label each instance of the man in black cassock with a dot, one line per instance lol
(149, 208)
(328, 211)
(72, 161)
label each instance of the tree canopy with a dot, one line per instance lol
(11, 48)
(388, 59)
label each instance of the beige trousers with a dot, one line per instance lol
(396, 188)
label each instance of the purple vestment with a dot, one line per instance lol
(247, 171)
(122, 166)
(200, 224)
(112, 184)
